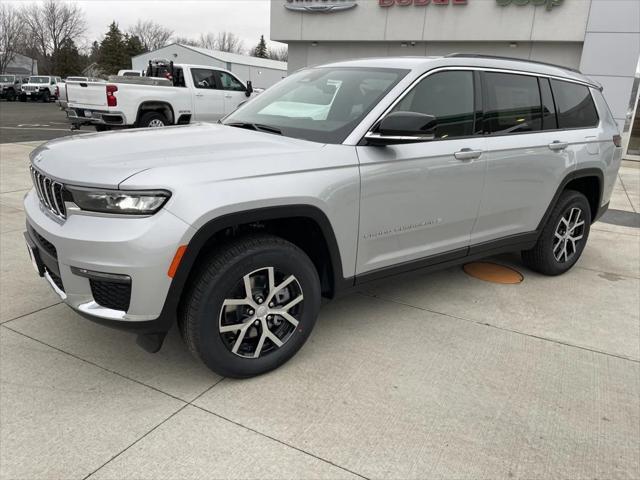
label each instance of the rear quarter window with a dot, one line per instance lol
(574, 105)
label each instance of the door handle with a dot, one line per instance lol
(227, 96)
(199, 94)
(467, 154)
(558, 145)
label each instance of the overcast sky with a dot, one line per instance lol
(187, 18)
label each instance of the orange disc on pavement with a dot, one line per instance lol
(492, 272)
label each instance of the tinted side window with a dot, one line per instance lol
(512, 104)
(203, 78)
(230, 83)
(549, 120)
(178, 78)
(448, 96)
(575, 105)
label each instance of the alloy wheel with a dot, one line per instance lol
(569, 232)
(156, 123)
(262, 313)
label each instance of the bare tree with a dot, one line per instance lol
(52, 23)
(280, 54)
(208, 41)
(229, 42)
(222, 41)
(152, 35)
(187, 41)
(11, 34)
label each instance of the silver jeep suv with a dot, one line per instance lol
(335, 176)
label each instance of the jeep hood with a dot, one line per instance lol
(107, 159)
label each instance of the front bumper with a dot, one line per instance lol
(34, 93)
(139, 248)
(4, 92)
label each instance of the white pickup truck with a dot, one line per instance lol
(182, 94)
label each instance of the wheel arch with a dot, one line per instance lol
(306, 226)
(156, 106)
(589, 182)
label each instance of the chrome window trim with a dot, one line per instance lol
(408, 138)
(476, 69)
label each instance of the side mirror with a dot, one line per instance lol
(249, 89)
(403, 127)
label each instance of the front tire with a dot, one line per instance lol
(45, 97)
(11, 96)
(152, 120)
(251, 306)
(563, 237)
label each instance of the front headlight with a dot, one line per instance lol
(134, 202)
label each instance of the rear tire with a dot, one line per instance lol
(233, 326)
(152, 120)
(11, 96)
(563, 237)
(45, 97)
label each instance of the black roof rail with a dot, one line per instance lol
(497, 57)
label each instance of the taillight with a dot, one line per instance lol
(112, 101)
(617, 140)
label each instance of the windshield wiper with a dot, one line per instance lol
(259, 127)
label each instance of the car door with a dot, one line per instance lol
(208, 99)
(527, 155)
(419, 201)
(234, 91)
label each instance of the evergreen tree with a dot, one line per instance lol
(67, 61)
(94, 56)
(114, 53)
(133, 45)
(261, 49)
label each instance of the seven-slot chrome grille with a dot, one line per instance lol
(49, 192)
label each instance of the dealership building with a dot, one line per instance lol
(601, 38)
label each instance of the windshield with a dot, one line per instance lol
(6, 78)
(38, 79)
(319, 104)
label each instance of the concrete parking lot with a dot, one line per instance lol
(423, 376)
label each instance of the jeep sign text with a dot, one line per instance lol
(549, 3)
